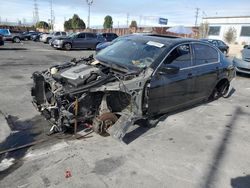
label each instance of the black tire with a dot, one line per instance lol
(67, 46)
(47, 40)
(221, 90)
(16, 40)
(96, 45)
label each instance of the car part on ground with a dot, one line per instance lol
(224, 48)
(141, 77)
(242, 63)
(78, 41)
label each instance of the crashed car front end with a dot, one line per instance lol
(86, 91)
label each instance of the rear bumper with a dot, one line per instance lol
(242, 66)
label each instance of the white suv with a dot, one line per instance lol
(47, 37)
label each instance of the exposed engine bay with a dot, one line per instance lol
(87, 90)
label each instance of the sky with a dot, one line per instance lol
(145, 12)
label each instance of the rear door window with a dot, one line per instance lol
(180, 56)
(81, 35)
(205, 54)
(90, 35)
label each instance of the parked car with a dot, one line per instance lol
(105, 44)
(1, 40)
(8, 36)
(224, 48)
(51, 42)
(109, 36)
(242, 63)
(79, 41)
(27, 35)
(47, 37)
(140, 77)
(36, 37)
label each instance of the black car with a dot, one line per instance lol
(109, 36)
(27, 35)
(36, 37)
(140, 77)
(78, 41)
(1, 40)
(224, 48)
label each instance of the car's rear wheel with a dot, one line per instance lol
(67, 46)
(221, 90)
(16, 40)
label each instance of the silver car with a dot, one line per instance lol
(242, 63)
(47, 37)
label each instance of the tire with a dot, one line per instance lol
(221, 90)
(16, 40)
(67, 46)
(47, 40)
(95, 46)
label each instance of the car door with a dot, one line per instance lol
(91, 40)
(79, 40)
(172, 84)
(206, 68)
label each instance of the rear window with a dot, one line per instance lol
(205, 54)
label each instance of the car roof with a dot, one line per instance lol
(164, 39)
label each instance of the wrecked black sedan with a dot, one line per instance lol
(140, 77)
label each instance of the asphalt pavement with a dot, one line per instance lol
(206, 145)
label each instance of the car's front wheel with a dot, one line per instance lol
(16, 40)
(67, 46)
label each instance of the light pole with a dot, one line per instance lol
(89, 2)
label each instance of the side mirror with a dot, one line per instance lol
(168, 70)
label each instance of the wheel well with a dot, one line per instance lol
(221, 83)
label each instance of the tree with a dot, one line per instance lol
(203, 30)
(133, 24)
(74, 23)
(77, 22)
(42, 25)
(230, 35)
(67, 24)
(108, 22)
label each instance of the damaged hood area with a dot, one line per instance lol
(107, 96)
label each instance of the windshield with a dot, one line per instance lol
(132, 53)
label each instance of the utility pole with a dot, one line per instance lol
(51, 15)
(89, 2)
(127, 19)
(35, 13)
(196, 16)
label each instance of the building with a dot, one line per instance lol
(218, 26)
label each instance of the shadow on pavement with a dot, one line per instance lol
(10, 49)
(219, 154)
(241, 182)
(22, 133)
